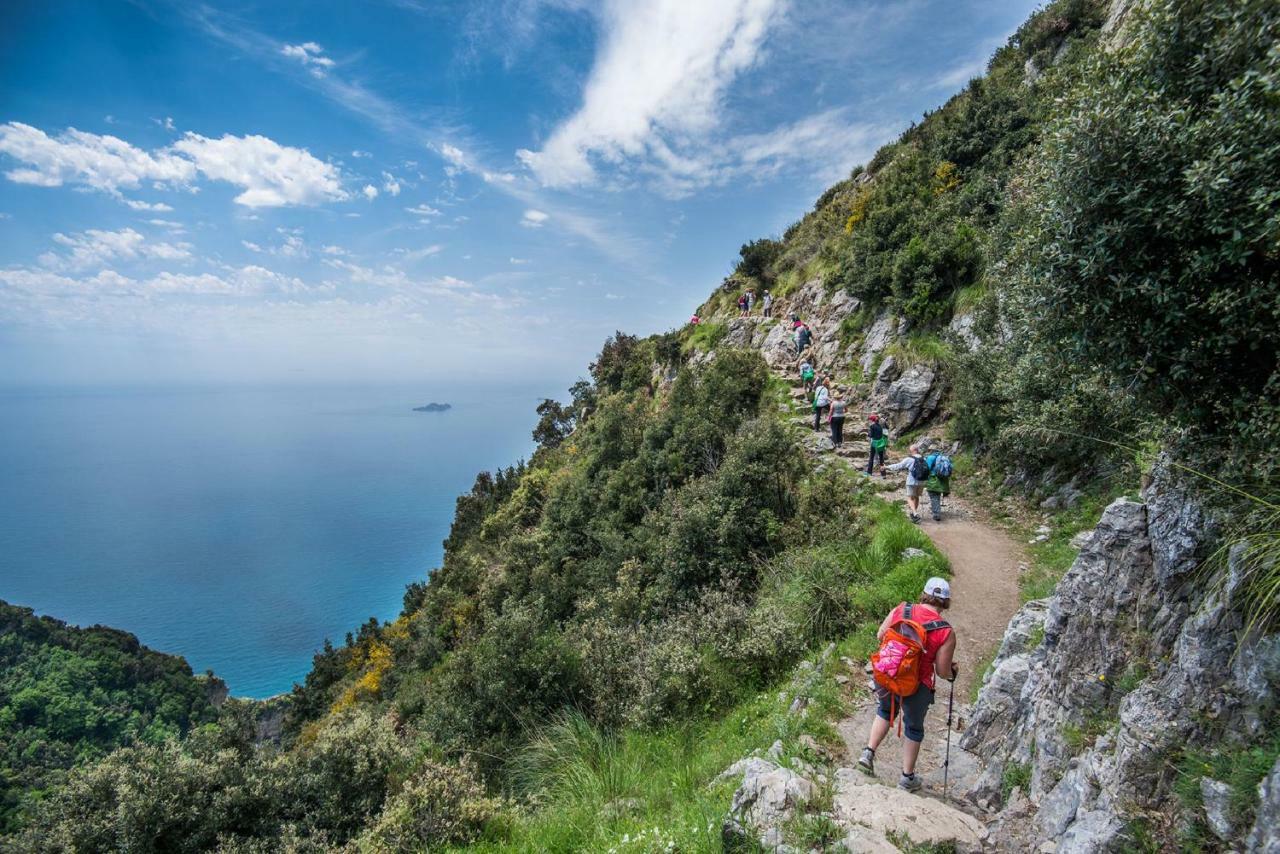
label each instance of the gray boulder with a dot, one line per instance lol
(1264, 838)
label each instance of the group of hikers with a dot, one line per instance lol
(926, 471)
(747, 303)
(916, 644)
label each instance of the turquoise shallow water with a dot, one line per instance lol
(238, 527)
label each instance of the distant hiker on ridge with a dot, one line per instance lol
(695, 320)
(821, 403)
(742, 305)
(751, 300)
(878, 441)
(917, 473)
(912, 634)
(807, 376)
(836, 417)
(766, 304)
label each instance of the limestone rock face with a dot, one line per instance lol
(1265, 836)
(1137, 660)
(879, 336)
(962, 326)
(907, 399)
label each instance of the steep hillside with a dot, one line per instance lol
(1067, 270)
(70, 695)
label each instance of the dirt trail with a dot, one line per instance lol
(984, 588)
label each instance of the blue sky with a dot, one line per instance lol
(405, 190)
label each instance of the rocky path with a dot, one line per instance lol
(985, 565)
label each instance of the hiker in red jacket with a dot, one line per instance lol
(939, 647)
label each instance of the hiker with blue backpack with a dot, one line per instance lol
(938, 483)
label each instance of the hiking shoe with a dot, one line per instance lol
(914, 518)
(937, 518)
(867, 761)
(910, 783)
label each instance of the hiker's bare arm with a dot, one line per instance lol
(884, 626)
(942, 664)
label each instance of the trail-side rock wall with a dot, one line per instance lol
(1097, 690)
(906, 395)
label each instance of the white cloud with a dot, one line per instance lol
(613, 296)
(270, 174)
(359, 154)
(423, 211)
(515, 260)
(101, 162)
(310, 55)
(96, 247)
(251, 246)
(534, 218)
(370, 192)
(166, 123)
(157, 207)
(236, 281)
(170, 225)
(657, 84)
(390, 184)
(334, 250)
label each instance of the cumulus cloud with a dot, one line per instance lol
(390, 184)
(269, 174)
(272, 175)
(657, 84)
(534, 218)
(101, 162)
(310, 55)
(96, 247)
(370, 192)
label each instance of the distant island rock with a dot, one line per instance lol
(433, 407)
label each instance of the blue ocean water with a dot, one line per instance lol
(238, 527)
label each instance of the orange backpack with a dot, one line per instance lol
(897, 665)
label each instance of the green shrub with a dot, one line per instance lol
(437, 805)
(1146, 244)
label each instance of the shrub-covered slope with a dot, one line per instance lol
(1074, 258)
(71, 695)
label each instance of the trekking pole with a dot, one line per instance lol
(946, 762)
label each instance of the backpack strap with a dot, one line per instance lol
(906, 611)
(936, 625)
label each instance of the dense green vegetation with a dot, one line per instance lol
(659, 561)
(71, 695)
(611, 619)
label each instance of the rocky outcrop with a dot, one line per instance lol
(1265, 836)
(1137, 659)
(907, 398)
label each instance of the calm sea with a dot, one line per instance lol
(238, 527)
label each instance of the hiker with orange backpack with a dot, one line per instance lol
(916, 645)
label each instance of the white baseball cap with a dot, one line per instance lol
(937, 587)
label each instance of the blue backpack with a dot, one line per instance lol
(942, 465)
